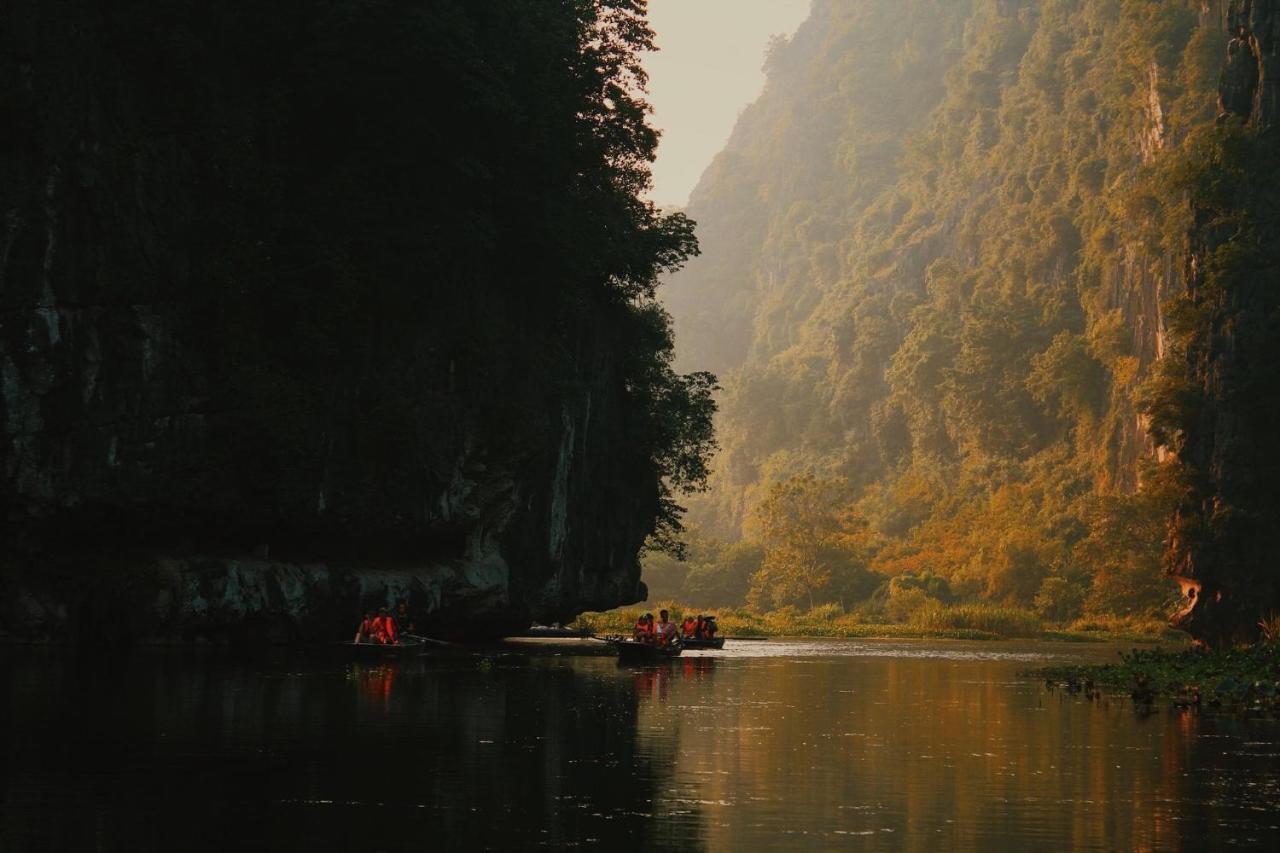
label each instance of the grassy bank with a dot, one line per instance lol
(1237, 680)
(975, 621)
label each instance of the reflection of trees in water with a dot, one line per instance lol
(938, 755)
(1229, 797)
(401, 755)
(179, 753)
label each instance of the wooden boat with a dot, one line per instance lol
(692, 643)
(630, 651)
(381, 651)
(544, 632)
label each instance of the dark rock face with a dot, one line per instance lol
(253, 302)
(1253, 64)
(1223, 546)
(1239, 81)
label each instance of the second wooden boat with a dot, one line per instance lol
(693, 643)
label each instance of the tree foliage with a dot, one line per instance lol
(953, 309)
(413, 239)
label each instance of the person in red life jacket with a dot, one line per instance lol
(365, 633)
(645, 631)
(689, 629)
(385, 628)
(666, 630)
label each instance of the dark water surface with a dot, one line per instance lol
(781, 745)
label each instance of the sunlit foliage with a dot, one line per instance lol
(952, 230)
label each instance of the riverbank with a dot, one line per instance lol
(1241, 680)
(954, 622)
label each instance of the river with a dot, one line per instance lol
(780, 745)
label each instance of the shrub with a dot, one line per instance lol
(824, 613)
(993, 618)
(1269, 625)
(904, 601)
(1059, 600)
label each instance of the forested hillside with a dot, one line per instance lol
(940, 243)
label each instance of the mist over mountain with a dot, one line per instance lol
(938, 253)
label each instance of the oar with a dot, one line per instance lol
(423, 639)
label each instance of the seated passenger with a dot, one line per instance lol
(666, 630)
(689, 628)
(364, 633)
(648, 634)
(404, 622)
(385, 628)
(709, 628)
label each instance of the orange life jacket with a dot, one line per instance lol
(368, 628)
(690, 625)
(386, 629)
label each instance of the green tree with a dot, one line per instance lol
(809, 536)
(724, 580)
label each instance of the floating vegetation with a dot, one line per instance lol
(1240, 680)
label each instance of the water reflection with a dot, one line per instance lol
(653, 681)
(915, 747)
(178, 753)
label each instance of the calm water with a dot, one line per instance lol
(797, 745)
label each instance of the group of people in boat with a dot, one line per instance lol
(386, 628)
(665, 633)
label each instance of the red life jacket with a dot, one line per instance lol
(690, 625)
(368, 628)
(387, 629)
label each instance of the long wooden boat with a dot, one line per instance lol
(630, 651)
(544, 632)
(381, 651)
(694, 643)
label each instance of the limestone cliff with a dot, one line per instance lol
(941, 243)
(1223, 548)
(308, 307)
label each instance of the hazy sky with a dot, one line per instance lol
(706, 71)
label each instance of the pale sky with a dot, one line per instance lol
(706, 70)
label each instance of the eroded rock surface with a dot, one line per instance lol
(271, 284)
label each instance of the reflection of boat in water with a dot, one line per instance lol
(692, 643)
(382, 651)
(631, 651)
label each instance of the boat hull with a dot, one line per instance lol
(691, 644)
(380, 651)
(630, 651)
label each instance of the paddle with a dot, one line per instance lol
(423, 639)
